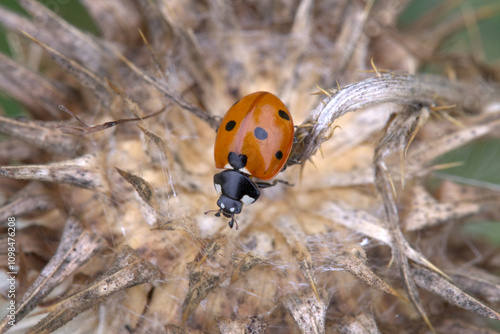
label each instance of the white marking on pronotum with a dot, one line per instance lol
(218, 188)
(244, 170)
(222, 206)
(247, 200)
(232, 209)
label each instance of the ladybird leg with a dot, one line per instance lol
(272, 184)
(284, 182)
(291, 162)
(217, 212)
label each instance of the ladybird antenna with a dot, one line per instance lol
(217, 212)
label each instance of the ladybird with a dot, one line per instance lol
(254, 140)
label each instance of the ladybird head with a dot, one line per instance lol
(228, 208)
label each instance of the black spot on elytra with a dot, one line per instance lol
(283, 115)
(237, 161)
(260, 133)
(279, 155)
(230, 125)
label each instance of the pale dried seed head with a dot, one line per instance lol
(313, 258)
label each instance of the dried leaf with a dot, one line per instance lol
(425, 211)
(307, 311)
(162, 30)
(462, 327)
(77, 246)
(366, 224)
(244, 264)
(204, 55)
(357, 220)
(354, 261)
(372, 120)
(128, 270)
(86, 129)
(60, 34)
(295, 238)
(250, 325)
(477, 281)
(50, 139)
(128, 102)
(169, 94)
(117, 19)
(203, 278)
(83, 172)
(363, 323)
(173, 329)
(31, 199)
(135, 302)
(16, 150)
(142, 187)
(435, 283)
(426, 152)
(33, 90)
(84, 76)
(201, 283)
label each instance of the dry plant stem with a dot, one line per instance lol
(389, 88)
(83, 172)
(350, 35)
(127, 271)
(396, 137)
(117, 19)
(478, 282)
(32, 198)
(426, 211)
(143, 188)
(170, 95)
(435, 283)
(398, 133)
(37, 92)
(59, 33)
(85, 76)
(50, 139)
(293, 233)
(355, 262)
(77, 246)
(366, 224)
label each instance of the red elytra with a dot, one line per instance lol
(260, 127)
(254, 139)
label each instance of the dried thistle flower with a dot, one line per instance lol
(108, 197)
